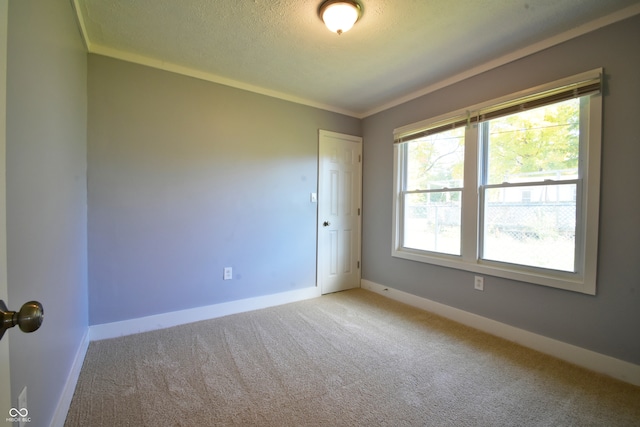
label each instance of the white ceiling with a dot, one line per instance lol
(398, 50)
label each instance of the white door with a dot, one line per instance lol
(339, 211)
(5, 385)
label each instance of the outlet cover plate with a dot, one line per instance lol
(478, 283)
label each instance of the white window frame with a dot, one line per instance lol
(588, 200)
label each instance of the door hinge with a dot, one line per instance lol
(359, 158)
(358, 211)
(358, 264)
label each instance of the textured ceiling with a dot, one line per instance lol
(282, 48)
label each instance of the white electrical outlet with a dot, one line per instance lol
(228, 273)
(478, 283)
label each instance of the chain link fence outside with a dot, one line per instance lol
(537, 234)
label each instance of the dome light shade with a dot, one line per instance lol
(339, 15)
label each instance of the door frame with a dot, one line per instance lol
(5, 367)
(319, 241)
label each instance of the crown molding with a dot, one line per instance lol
(589, 27)
(210, 77)
(604, 21)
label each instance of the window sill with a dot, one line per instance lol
(555, 279)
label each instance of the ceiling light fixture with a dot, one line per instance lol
(340, 15)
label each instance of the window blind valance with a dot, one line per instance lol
(584, 84)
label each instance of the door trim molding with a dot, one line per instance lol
(6, 399)
(359, 140)
(332, 134)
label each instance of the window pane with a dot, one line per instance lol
(436, 161)
(534, 226)
(432, 221)
(534, 145)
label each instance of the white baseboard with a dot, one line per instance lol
(175, 318)
(161, 321)
(60, 414)
(607, 365)
(597, 362)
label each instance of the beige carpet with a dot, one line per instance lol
(348, 359)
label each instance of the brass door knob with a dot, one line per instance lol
(28, 319)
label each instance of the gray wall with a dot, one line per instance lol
(46, 195)
(187, 177)
(608, 322)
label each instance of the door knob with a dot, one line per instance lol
(326, 224)
(28, 319)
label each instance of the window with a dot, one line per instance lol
(433, 202)
(508, 188)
